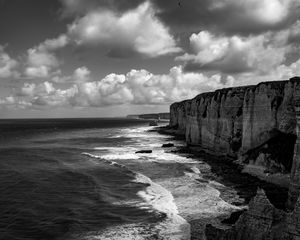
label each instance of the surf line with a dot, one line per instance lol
(161, 200)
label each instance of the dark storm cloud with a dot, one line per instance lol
(225, 16)
(228, 16)
(294, 33)
(82, 7)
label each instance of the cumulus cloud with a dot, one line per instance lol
(135, 31)
(7, 65)
(81, 74)
(143, 87)
(281, 72)
(136, 87)
(14, 103)
(233, 54)
(44, 94)
(41, 60)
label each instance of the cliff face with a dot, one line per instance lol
(236, 119)
(257, 124)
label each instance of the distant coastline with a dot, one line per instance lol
(159, 116)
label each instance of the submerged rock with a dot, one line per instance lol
(153, 123)
(144, 151)
(167, 145)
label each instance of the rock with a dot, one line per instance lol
(259, 125)
(236, 119)
(255, 123)
(261, 222)
(144, 151)
(295, 173)
(167, 145)
(153, 123)
(292, 224)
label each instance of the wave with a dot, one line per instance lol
(156, 198)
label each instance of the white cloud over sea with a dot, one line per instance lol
(135, 31)
(136, 87)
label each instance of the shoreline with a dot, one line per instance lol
(171, 226)
(209, 157)
(197, 198)
(230, 172)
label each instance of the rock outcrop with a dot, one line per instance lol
(259, 125)
(294, 188)
(261, 222)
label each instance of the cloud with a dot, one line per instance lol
(7, 65)
(75, 7)
(142, 87)
(233, 54)
(32, 89)
(41, 60)
(138, 87)
(81, 74)
(228, 16)
(13, 102)
(294, 33)
(54, 44)
(281, 72)
(44, 94)
(135, 31)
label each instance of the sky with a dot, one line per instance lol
(110, 58)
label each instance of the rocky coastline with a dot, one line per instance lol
(257, 129)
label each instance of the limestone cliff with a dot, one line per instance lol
(256, 124)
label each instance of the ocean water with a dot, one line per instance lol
(81, 179)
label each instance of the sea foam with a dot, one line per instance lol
(155, 198)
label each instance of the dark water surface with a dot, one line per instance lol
(49, 190)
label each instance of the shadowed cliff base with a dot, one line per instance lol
(276, 154)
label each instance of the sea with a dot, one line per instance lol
(82, 179)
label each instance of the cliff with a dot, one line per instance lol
(261, 222)
(151, 116)
(258, 125)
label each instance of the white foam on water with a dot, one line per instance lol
(161, 156)
(155, 198)
(103, 160)
(118, 153)
(195, 170)
(195, 197)
(181, 198)
(121, 156)
(174, 226)
(141, 132)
